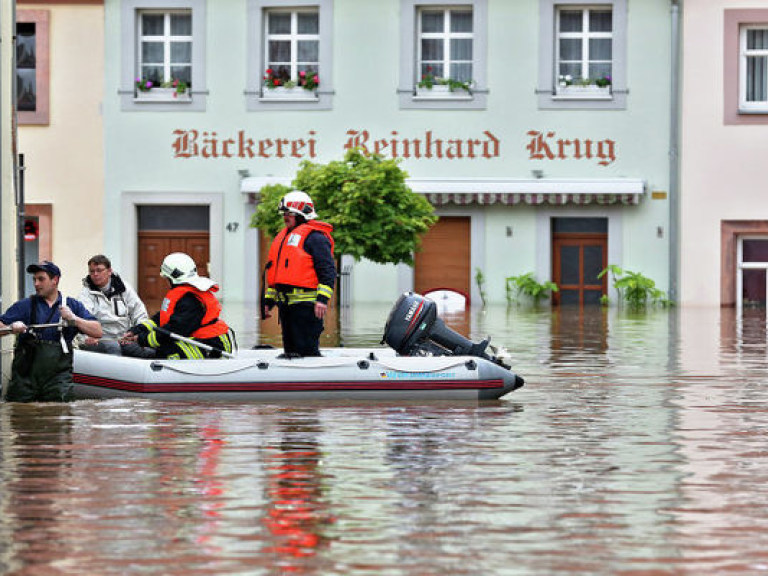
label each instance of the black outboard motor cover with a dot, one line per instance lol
(414, 329)
(409, 323)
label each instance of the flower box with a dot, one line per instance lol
(162, 95)
(441, 91)
(284, 93)
(583, 91)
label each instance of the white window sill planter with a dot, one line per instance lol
(590, 92)
(162, 95)
(442, 92)
(293, 94)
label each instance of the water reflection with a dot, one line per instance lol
(636, 446)
(296, 511)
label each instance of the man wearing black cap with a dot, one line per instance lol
(42, 359)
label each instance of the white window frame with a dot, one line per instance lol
(130, 55)
(551, 95)
(445, 36)
(257, 96)
(410, 95)
(741, 266)
(579, 91)
(744, 55)
(293, 37)
(167, 39)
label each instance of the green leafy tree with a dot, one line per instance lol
(373, 212)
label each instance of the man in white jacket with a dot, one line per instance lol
(117, 307)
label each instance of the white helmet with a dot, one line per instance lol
(179, 268)
(299, 203)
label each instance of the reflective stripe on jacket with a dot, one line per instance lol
(211, 325)
(291, 264)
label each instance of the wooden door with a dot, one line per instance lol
(577, 260)
(444, 260)
(154, 246)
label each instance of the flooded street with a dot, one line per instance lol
(637, 446)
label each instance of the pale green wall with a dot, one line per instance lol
(139, 156)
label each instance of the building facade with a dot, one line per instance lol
(60, 77)
(724, 208)
(539, 129)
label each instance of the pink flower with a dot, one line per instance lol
(316, 79)
(149, 84)
(302, 73)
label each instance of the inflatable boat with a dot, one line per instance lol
(425, 361)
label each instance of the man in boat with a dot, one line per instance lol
(191, 310)
(300, 275)
(42, 361)
(116, 305)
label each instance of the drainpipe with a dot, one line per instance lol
(674, 159)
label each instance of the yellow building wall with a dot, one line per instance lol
(64, 159)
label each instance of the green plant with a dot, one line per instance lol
(275, 78)
(179, 86)
(144, 85)
(429, 80)
(480, 281)
(634, 288)
(568, 80)
(526, 284)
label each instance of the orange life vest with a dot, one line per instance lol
(211, 325)
(290, 264)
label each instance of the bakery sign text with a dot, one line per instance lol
(429, 145)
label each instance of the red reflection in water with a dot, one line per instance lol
(210, 486)
(295, 514)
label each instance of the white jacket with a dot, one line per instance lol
(117, 310)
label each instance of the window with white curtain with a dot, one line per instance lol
(165, 47)
(753, 68)
(584, 46)
(445, 43)
(582, 54)
(163, 42)
(290, 55)
(443, 54)
(292, 47)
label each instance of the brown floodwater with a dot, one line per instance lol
(639, 445)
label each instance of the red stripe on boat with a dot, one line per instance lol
(101, 382)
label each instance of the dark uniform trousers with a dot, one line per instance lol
(49, 378)
(301, 328)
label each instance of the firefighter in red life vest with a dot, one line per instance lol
(190, 309)
(300, 275)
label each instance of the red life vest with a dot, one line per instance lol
(211, 325)
(290, 264)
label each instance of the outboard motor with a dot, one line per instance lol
(413, 329)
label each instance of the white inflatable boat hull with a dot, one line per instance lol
(259, 375)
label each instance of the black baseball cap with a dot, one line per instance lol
(44, 266)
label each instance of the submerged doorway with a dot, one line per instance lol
(163, 229)
(443, 261)
(579, 254)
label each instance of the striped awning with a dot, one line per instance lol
(533, 192)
